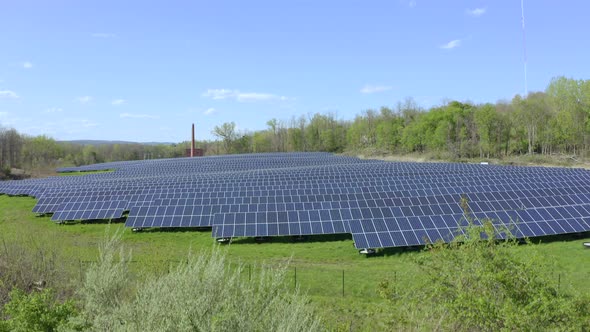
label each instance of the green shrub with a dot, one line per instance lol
(37, 311)
(6, 172)
(475, 284)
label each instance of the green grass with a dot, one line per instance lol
(319, 261)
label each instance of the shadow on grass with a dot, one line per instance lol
(174, 229)
(396, 251)
(81, 222)
(293, 239)
(92, 221)
(560, 238)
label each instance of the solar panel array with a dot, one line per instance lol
(382, 204)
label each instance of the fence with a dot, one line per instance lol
(332, 281)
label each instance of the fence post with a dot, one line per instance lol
(342, 282)
(249, 272)
(295, 279)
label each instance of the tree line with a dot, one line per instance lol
(546, 122)
(554, 121)
(34, 153)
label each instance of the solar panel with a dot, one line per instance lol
(169, 216)
(89, 210)
(382, 204)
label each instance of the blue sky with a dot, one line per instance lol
(144, 70)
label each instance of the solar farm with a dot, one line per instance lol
(381, 204)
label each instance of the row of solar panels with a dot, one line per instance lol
(224, 183)
(540, 197)
(372, 166)
(385, 183)
(398, 197)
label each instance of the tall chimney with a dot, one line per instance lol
(193, 142)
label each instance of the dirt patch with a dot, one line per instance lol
(14, 174)
(523, 160)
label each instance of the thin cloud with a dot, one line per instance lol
(367, 89)
(84, 99)
(7, 94)
(103, 35)
(253, 96)
(118, 102)
(27, 65)
(210, 111)
(218, 94)
(223, 94)
(452, 44)
(477, 12)
(138, 116)
(54, 110)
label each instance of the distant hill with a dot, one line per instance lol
(101, 142)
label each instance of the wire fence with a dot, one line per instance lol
(326, 281)
(333, 281)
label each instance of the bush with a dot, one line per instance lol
(475, 284)
(5, 172)
(201, 294)
(106, 285)
(37, 311)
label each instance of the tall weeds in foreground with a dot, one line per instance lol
(107, 283)
(201, 294)
(33, 263)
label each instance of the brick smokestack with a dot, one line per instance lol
(193, 142)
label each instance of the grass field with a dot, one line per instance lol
(317, 265)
